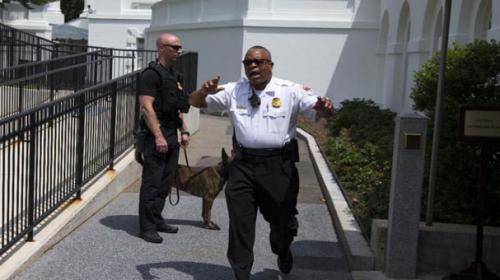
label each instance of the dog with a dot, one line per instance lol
(204, 182)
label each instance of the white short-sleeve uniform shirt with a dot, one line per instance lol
(273, 123)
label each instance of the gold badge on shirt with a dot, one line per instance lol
(179, 86)
(276, 102)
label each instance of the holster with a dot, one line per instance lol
(140, 135)
(291, 150)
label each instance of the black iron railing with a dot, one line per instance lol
(25, 86)
(48, 153)
(19, 47)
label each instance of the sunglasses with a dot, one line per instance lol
(258, 62)
(174, 47)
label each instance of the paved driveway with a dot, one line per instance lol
(107, 245)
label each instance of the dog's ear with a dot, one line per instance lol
(224, 155)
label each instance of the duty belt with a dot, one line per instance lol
(244, 152)
(264, 152)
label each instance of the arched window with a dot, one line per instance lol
(437, 33)
(381, 56)
(402, 81)
(483, 20)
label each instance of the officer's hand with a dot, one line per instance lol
(211, 86)
(324, 106)
(161, 144)
(184, 140)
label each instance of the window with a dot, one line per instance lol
(140, 6)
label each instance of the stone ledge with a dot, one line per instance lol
(355, 246)
(442, 247)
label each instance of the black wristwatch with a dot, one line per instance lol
(185, 133)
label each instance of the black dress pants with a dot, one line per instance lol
(271, 185)
(158, 175)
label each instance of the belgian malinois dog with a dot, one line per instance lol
(204, 182)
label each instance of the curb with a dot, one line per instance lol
(72, 214)
(358, 253)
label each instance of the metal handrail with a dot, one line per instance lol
(48, 153)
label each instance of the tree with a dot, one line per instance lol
(472, 78)
(71, 8)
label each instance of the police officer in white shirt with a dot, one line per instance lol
(263, 110)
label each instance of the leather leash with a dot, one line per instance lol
(176, 180)
(186, 157)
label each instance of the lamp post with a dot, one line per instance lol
(438, 112)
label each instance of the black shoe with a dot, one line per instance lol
(167, 228)
(151, 236)
(285, 263)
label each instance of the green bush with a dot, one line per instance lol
(360, 149)
(470, 79)
(360, 152)
(367, 123)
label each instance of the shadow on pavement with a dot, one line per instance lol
(130, 223)
(127, 223)
(201, 271)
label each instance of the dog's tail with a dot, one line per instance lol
(138, 156)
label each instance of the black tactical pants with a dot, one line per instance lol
(271, 185)
(158, 174)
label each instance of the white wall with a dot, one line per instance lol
(403, 51)
(34, 21)
(345, 49)
(54, 14)
(115, 24)
(115, 33)
(308, 39)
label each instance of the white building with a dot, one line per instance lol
(37, 20)
(410, 32)
(117, 23)
(317, 43)
(342, 48)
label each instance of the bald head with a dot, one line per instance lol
(169, 48)
(166, 38)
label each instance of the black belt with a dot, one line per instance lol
(263, 152)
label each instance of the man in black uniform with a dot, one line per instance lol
(162, 103)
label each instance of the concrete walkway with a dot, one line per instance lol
(107, 245)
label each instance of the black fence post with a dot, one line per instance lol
(94, 60)
(110, 65)
(55, 52)
(31, 176)
(11, 49)
(113, 125)
(137, 107)
(38, 51)
(20, 97)
(20, 106)
(75, 75)
(134, 55)
(80, 145)
(51, 94)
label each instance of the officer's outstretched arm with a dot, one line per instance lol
(324, 106)
(197, 97)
